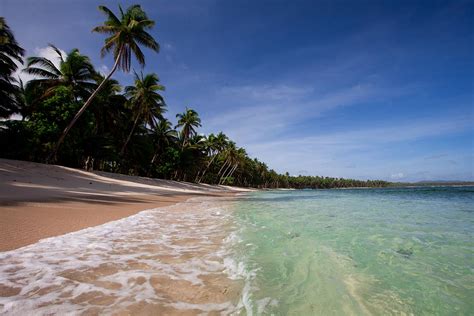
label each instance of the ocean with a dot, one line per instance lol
(395, 251)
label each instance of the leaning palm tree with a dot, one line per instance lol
(188, 121)
(10, 54)
(147, 104)
(75, 71)
(163, 135)
(124, 36)
(215, 145)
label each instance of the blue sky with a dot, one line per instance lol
(360, 89)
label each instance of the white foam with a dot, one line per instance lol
(139, 239)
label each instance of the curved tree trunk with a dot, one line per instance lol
(153, 159)
(53, 155)
(229, 173)
(222, 167)
(207, 168)
(130, 135)
(233, 170)
(225, 171)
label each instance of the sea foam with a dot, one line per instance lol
(176, 257)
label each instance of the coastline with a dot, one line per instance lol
(168, 260)
(38, 201)
(84, 242)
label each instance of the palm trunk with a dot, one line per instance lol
(225, 171)
(53, 155)
(231, 171)
(153, 159)
(226, 174)
(224, 165)
(130, 135)
(207, 168)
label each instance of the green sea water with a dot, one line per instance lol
(397, 251)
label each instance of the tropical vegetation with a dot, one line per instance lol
(73, 115)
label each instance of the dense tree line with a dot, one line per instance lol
(75, 116)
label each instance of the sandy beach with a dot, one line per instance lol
(39, 201)
(105, 256)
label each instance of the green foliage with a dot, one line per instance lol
(10, 54)
(125, 34)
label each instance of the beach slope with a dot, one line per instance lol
(39, 201)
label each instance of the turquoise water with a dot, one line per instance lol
(360, 252)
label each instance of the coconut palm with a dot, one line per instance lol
(215, 144)
(10, 54)
(75, 71)
(163, 135)
(147, 104)
(125, 34)
(188, 121)
(109, 108)
(238, 159)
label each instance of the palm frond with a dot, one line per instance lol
(147, 40)
(44, 63)
(57, 51)
(40, 72)
(110, 15)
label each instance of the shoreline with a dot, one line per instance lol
(39, 201)
(170, 260)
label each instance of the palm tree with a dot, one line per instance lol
(235, 157)
(147, 103)
(10, 52)
(215, 145)
(188, 121)
(163, 135)
(75, 71)
(124, 36)
(108, 107)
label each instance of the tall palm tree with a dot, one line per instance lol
(238, 159)
(146, 102)
(75, 71)
(163, 135)
(188, 121)
(10, 53)
(124, 36)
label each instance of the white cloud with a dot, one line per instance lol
(397, 176)
(266, 93)
(265, 111)
(371, 150)
(169, 46)
(46, 52)
(104, 70)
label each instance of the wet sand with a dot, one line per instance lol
(174, 260)
(39, 201)
(118, 244)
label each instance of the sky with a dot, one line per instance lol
(355, 89)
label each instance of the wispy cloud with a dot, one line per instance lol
(337, 153)
(46, 52)
(397, 176)
(267, 111)
(104, 70)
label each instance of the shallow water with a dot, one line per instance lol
(358, 252)
(326, 252)
(162, 261)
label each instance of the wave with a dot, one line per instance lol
(161, 259)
